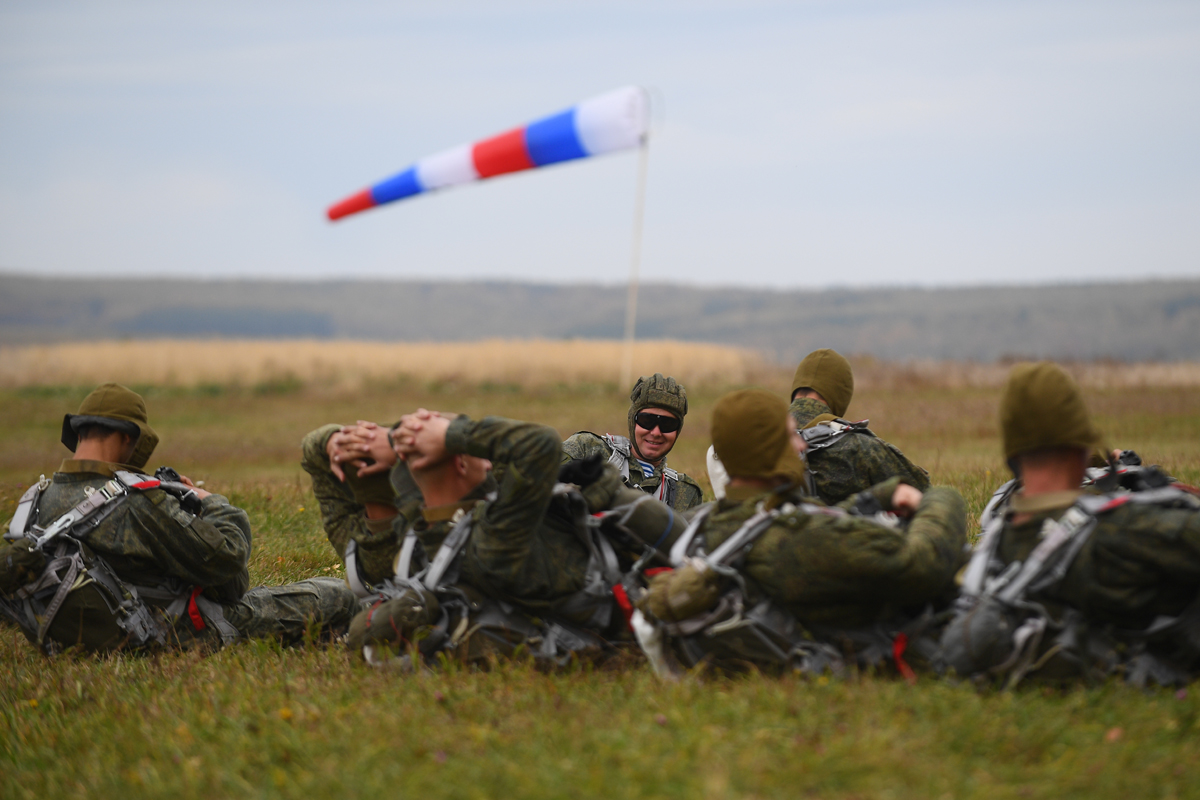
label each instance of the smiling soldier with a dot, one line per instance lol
(656, 411)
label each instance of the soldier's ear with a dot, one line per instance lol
(460, 465)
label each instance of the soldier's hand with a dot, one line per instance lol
(905, 500)
(350, 446)
(420, 438)
(186, 481)
(380, 455)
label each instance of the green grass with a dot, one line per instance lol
(258, 721)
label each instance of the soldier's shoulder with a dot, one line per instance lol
(689, 480)
(584, 443)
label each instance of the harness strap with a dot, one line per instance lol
(679, 551)
(452, 545)
(75, 565)
(360, 588)
(26, 510)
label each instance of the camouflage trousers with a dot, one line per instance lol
(287, 613)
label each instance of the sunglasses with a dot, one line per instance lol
(649, 422)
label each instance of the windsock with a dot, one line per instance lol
(614, 121)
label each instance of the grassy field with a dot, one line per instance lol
(258, 721)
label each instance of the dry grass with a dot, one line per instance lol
(349, 363)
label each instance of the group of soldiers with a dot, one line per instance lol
(826, 550)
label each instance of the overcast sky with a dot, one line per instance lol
(797, 144)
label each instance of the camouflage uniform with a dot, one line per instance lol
(688, 493)
(1065, 584)
(847, 571)
(1140, 562)
(343, 512)
(675, 488)
(855, 462)
(150, 539)
(807, 585)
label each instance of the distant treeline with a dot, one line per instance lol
(1153, 320)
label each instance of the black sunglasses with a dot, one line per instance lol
(649, 422)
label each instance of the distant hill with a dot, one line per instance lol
(1158, 320)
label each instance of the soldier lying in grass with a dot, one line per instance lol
(768, 577)
(470, 563)
(105, 557)
(1066, 583)
(842, 458)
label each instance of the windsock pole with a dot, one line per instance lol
(631, 298)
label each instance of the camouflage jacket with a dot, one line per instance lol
(343, 514)
(847, 571)
(688, 493)
(1139, 562)
(149, 538)
(854, 463)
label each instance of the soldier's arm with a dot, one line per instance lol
(930, 549)
(211, 549)
(530, 453)
(342, 517)
(583, 444)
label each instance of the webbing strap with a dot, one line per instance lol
(75, 565)
(621, 453)
(451, 546)
(404, 560)
(679, 551)
(360, 589)
(747, 534)
(26, 510)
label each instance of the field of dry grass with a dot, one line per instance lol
(523, 363)
(350, 363)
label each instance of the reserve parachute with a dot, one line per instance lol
(614, 121)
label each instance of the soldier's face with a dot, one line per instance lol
(654, 444)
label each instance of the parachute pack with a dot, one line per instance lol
(61, 593)
(1003, 631)
(451, 615)
(730, 634)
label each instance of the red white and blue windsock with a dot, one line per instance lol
(614, 121)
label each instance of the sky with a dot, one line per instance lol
(794, 145)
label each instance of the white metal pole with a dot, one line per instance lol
(639, 213)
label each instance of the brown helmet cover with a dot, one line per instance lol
(1042, 407)
(114, 406)
(828, 373)
(751, 433)
(656, 391)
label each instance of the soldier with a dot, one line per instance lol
(782, 581)
(656, 411)
(844, 458)
(477, 550)
(167, 560)
(349, 466)
(1065, 583)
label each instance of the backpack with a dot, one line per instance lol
(61, 593)
(1001, 632)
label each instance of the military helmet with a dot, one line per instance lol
(1042, 407)
(828, 373)
(113, 406)
(752, 437)
(656, 391)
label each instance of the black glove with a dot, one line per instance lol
(582, 472)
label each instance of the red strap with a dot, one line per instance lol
(194, 610)
(899, 645)
(622, 598)
(650, 573)
(150, 484)
(1115, 502)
